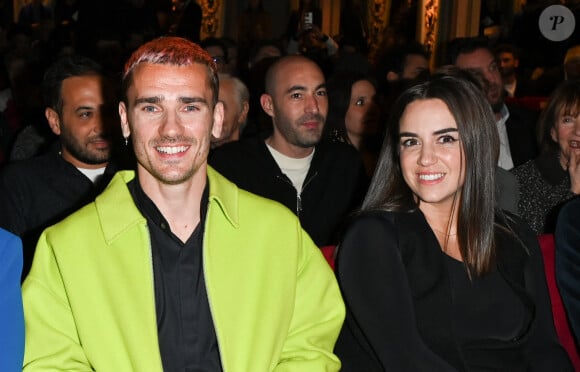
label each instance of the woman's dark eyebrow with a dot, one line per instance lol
(446, 130)
(437, 132)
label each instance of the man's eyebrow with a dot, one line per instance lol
(154, 99)
(303, 88)
(158, 99)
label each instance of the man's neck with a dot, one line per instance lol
(282, 146)
(180, 203)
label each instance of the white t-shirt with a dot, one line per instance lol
(295, 169)
(93, 174)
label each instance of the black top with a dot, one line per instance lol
(334, 186)
(402, 303)
(38, 192)
(567, 256)
(187, 338)
(543, 187)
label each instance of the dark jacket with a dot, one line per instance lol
(567, 238)
(38, 192)
(400, 302)
(521, 131)
(334, 186)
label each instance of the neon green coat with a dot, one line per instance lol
(89, 299)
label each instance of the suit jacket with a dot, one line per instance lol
(567, 238)
(12, 317)
(399, 299)
(90, 304)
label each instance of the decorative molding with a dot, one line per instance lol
(429, 26)
(210, 17)
(378, 20)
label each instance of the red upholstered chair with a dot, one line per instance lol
(328, 252)
(560, 320)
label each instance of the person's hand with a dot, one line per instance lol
(574, 171)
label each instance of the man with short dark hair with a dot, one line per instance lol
(40, 191)
(516, 125)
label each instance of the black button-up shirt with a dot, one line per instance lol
(187, 338)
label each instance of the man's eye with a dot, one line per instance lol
(149, 108)
(191, 108)
(296, 95)
(85, 114)
(321, 93)
(360, 102)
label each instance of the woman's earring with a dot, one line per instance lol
(126, 141)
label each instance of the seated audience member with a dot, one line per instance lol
(39, 191)
(12, 319)
(353, 115)
(567, 238)
(568, 70)
(515, 83)
(190, 16)
(516, 125)
(321, 182)
(552, 178)
(234, 96)
(179, 269)
(218, 51)
(255, 24)
(397, 68)
(434, 276)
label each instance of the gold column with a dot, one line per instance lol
(378, 15)
(428, 24)
(211, 15)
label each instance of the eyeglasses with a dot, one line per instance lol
(220, 60)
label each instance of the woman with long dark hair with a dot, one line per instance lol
(434, 276)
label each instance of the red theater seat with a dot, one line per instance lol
(560, 320)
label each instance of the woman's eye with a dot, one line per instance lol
(409, 142)
(567, 119)
(360, 102)
(447, 139)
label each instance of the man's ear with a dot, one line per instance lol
(125, 129)
(218, 120)
(53, 120)
(267, 105)
(244, 113)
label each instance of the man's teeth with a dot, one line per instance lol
(574, 144)
(171, 149)
(430, 177)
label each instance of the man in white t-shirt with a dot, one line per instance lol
(321, 182)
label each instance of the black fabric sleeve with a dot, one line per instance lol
(380, 331)
(567, 238)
